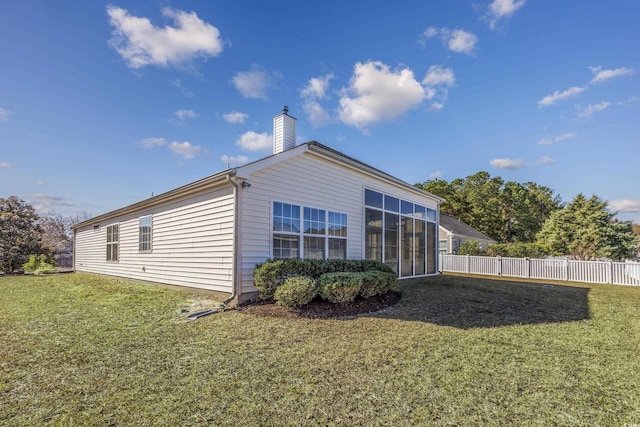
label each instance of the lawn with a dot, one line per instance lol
(81, 349)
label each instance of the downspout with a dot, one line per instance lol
(235, 288)
(73, 253)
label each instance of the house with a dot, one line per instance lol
(307, 201)
(454, 232)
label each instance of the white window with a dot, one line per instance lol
(144, 234)
(113, 235)
(323, 233)
(286, 230)
(337, 231)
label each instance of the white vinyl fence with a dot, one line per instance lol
(617, 273)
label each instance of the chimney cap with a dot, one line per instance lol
(285, 109)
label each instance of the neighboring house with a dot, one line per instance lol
(454, 232)
(307, 201)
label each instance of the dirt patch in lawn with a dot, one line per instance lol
(320, 309)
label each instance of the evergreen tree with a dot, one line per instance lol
(585, 230)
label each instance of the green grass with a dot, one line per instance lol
(87, 350)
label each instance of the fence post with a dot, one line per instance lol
(566, 270)
(610, 273)
(468, 264)
(499, 265)
(528, 267)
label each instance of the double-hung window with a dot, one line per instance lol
(113, 236)
(337, 231)
(286, 230)
(314, 233)
(309, 233)
(144, 234)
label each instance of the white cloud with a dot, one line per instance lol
(316, 90)
(545, 161)
(5, 165)
(462, 42)
(558, 96)
(435, 175)
(430, 32)
(435, 106)
(378, 93)
(499, 9)
(234, 160)
(317, 87)
(185, 149)
(40, 182)
(316, 113)
(593, 108)
(558, 138)
(508, 163)
(437, 75)
(601, 75)
(625, 205)
(180, 117)
(186, 92)
(235, 117)
(152, 142)
(47, 205)
(255, 83)
(5, 114)
(458, 41)
(629, 101)
(252, 141)
(141, 43)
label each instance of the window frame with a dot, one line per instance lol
(149, 242)
(309, 215)
(113, 243)
(407, 210)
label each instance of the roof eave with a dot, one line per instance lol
(203, 184)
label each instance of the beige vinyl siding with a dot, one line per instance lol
(312, 181)
(192, 244)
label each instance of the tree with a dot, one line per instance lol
(508, 212)
(470, 247)
(57, 237)
(585, 230)
(20, 233)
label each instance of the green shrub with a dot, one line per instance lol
(340, 287)
(470, 247)
(376, 282)
(517, 250)
(296, 291)
(271, 274)
(38, 264)
(369, 265)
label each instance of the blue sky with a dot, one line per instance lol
(103, 104)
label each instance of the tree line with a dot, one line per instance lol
(23, 233)
(530, 219)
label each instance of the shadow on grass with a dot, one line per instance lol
(465, 302)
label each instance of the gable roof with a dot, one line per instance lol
(243, 172)
(455, 226)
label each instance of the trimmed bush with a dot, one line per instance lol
(296, 291)
(376, 282)
(271, 274)
(340, 287)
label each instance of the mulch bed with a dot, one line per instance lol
(320, 309)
